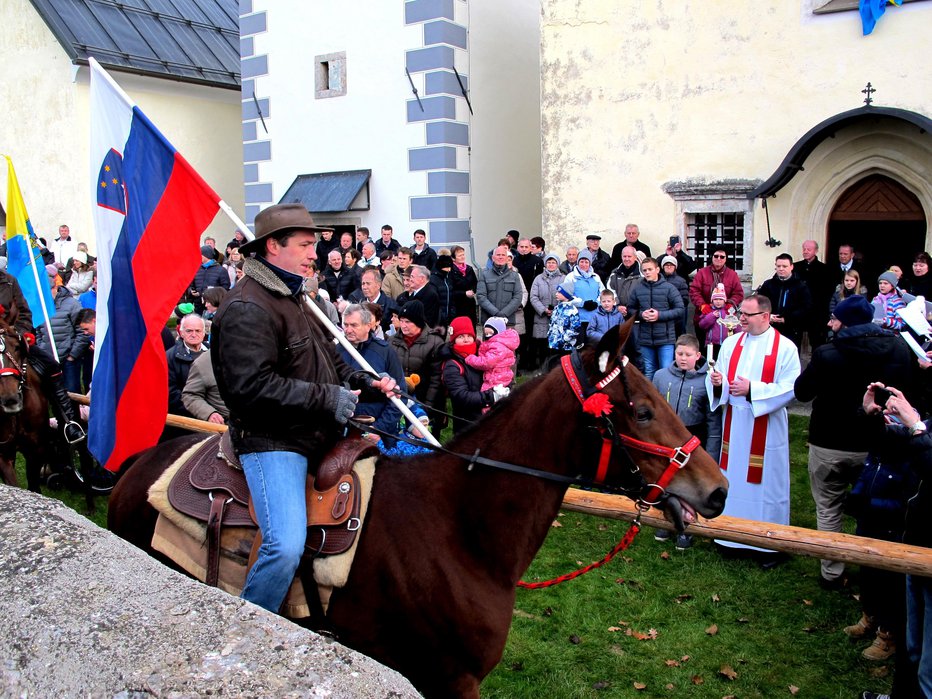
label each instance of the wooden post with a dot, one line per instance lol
(887, 555)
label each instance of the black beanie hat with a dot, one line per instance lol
(414, 311)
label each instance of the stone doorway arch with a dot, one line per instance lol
(882, 219)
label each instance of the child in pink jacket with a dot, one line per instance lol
(496, 356)
(715, 332)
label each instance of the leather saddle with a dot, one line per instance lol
(211, 487)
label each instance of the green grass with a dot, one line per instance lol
(775, 628)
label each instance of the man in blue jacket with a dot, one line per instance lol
(357, 322)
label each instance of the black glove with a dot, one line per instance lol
(488, 397)
(341, 402)
(590, 306)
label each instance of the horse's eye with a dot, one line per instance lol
(645, 414)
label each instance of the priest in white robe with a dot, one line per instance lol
(753, 378)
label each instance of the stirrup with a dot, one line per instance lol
(75, 428)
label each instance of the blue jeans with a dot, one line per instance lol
(654, 358)
(919, 628)
(276, 482)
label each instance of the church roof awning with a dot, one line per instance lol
(796, 157)
(193, 42)
(330, 192)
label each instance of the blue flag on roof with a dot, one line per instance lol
(872, 10)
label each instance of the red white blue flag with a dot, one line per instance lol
(150, 210)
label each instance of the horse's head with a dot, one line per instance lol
(13, 353)
(646, 436)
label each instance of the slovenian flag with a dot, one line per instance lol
(150, 209)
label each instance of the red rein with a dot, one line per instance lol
(598, 405)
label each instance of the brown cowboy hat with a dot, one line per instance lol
(280, 219)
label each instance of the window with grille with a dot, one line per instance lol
(707, 231)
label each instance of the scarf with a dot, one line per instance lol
(294, 282)
(461, 268)
(465, 350)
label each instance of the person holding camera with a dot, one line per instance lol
(839, 436)
(907, 440)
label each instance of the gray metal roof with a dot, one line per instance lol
(195, 41)
(328, 192)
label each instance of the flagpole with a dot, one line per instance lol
(45, 311)
(35, 277)
(338, 336)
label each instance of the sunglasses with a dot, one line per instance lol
(720, 256)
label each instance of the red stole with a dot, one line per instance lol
(759, 433)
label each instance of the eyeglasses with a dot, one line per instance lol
(750, 315)
(720, 256)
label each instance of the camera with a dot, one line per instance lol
(881, 396)
(674, 239)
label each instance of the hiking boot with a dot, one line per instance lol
(864, 627)
(882, 647)
(683, 542)
(661, 535)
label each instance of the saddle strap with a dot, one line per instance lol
(218, 505)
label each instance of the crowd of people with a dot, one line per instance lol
(727, 358)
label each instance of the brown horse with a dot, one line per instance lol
(24, 410)
(432, 589)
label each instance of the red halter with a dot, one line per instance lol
(598, 404)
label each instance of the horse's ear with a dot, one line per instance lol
(612, 345)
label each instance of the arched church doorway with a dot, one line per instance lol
(883, 221)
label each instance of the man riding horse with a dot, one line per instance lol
(15, 311)
(280, 375)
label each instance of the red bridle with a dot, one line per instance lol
(13, 370)
(597, 404)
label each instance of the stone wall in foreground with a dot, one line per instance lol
(83, 613)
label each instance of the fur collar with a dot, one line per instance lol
(266, 277)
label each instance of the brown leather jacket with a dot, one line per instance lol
(272, 360)
(11, 295)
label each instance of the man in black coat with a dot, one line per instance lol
(209, 274)
(444, 285)
(601, 260)
(632, 238)
(180, 358)
(421, 253)
(835, 380)
(529, 266)
(371, 291)
(818, 279)
(418, 287)
(789, 298)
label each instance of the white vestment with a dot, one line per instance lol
(768, 500)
